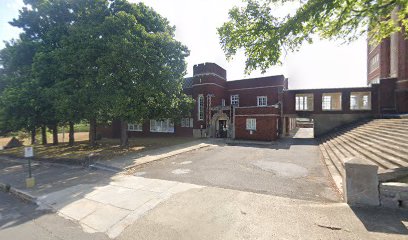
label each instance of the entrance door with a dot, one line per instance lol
(222, 128)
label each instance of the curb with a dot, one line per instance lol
(245, 142)
(104, 167)
(167, 156)
(18, 193)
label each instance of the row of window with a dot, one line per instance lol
(374, 63)
(262, 101)
(332, 101)
(165, 126)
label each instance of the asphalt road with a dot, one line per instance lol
(20, 220)
(291, 168)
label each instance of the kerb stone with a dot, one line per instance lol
(360, 182)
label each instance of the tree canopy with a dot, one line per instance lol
(95, 60)
(264, 37)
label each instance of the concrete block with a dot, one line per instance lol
(404, 204)
(30, 182)
(389, 202)
(403, 196)
(360, 182)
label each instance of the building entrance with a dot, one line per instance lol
(222, 129)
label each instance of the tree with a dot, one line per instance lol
(99, 60)
(19, 99)
(142, 67)
(265, 37)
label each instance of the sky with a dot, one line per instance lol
(323, 64)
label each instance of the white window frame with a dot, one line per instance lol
(164, 126)
(135, 127)
(251, 124)
(262, 101)
(301, 102)
(374, 63)
(360, 98)
(223, 102)
(200, 107)
(330, 102)
(235, 100)
(186, 122)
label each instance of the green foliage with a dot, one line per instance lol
(91, 59)
(265, 37)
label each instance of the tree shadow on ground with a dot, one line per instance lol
(49, 180)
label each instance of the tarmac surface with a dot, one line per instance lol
(289, 168)
(278, 191)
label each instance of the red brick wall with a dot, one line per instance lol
(383, 71)
(265, 128)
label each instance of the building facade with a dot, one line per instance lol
(389, 60)
(264, 108)
(242, 109)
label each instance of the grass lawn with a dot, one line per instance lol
(107, 148)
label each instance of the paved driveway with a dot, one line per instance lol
(291, 168)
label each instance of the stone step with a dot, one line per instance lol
(382, 164)
(335, 158)
(336, 174)
(340, 152)
(389, 128)
(396, 120)
(384, 132)
(382, 138)
(363, 149)
(380, 149)
(346, 150)
(332, 166)
(381, 134)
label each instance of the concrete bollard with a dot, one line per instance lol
(360, 182)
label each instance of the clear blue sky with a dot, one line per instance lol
(322, 64)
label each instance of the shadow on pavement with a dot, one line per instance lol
(383, 220)
(49, 179)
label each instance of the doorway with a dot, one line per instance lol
(222, 129)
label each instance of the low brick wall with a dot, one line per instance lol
(265, 125)
(394, 195)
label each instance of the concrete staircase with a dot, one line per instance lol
(381, 141)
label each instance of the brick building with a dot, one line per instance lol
(264, 108)
(242, 109)
(389, 60)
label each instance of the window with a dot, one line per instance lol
(166, 126)
(251, 124)
(331, 101)
(235, 100)
(135, 127)
(223, 102)
(200, 107)
(360, 101)
(374, 63)
(187, 122)
(262, 101)
(304, 102)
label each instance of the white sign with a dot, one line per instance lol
(28, 152)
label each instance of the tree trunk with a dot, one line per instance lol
(71, 134)
(92, 132)
(33, 133)
(55, 134)
(124, 138)
(44, 135)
